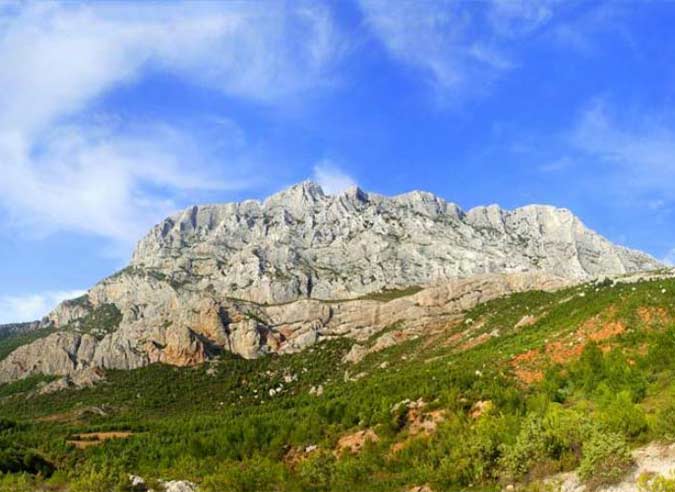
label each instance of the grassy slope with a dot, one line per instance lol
(217, 424)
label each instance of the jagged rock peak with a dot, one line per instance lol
(307, 192)
(303, 243)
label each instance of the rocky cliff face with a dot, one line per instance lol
(280, 275)
(18, 328)
(302, 243)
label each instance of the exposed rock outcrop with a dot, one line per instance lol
(180, 331)
(304, 243)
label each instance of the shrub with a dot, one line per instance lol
(605, 460)
(254, 475)
(317, 471)
(620, 414)
(528, 449)
(545, 444)
(658, 483)
(23, 461)
(99, 479)
(16, 483)
(665, 422)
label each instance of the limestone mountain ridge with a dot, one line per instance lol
(280, 275)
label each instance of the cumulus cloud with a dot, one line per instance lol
(459, 46)
(66, 170)
(32, 307)
(331, 178)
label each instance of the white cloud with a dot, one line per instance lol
(32, 307)
(514, 18)
(331, 178)
(64, 55)
(114, 186)
(460, 46)
(638, 151)
(65, 170)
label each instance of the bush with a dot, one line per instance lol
(665, 423)
(545, 444)
(99, 479)
(255, 475)
(658, 483)
(528, 449)
(24, 461)
(16, 483)
(621, 415)
(316, 473)
(605, 460)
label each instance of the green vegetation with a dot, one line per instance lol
(657, 483)
(606, 459)
(387, 295)
(11, 342)
(100, 321)
(587, 377)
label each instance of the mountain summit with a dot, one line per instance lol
(302, 243)
(278, 276)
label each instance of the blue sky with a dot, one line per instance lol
(114, 115)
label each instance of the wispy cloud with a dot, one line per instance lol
(110, 185)
(460, 46)
(32, 307)
(331, 178)
(557, 165)
(244, 49)
(64, 170)
(640, 150)
(515, 18)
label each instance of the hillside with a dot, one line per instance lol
(281, 275)
(313, 342)
(511, 391)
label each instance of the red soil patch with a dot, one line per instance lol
(653, 315)
(424, 423)
(296, 455)
(527, 365)
(560, 352)
(528, 376)
(609, 330)
(528, 356)
(356, 441)
(419, 423)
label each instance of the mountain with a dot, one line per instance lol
(278, 276)
(302, 243)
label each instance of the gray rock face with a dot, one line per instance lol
(303, 243)
(18, 328)
(256, 277)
